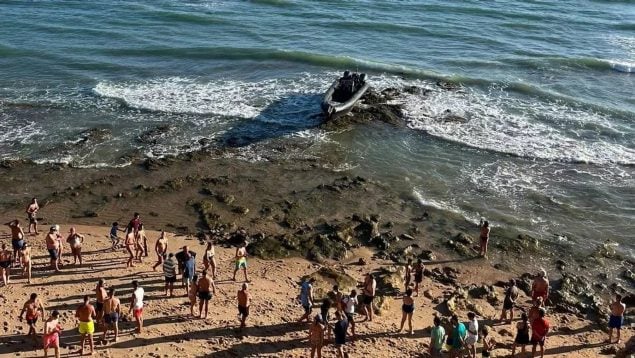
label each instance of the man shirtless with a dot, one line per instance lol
(75, 242)
(17, 237)
(32, 308)
(85, 313)
(369, 287)
(244, 301)
(130, 242)
(100, 291)
(5, 263)
(241, 260)
(161, 248)
(616, 320)
(31, 213)
(540, 287)
(112, 312)
(25, 261)
(204, 295)
(53, 247)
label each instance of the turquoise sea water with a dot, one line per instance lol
(547, 145)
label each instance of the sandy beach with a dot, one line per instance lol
(272, 330)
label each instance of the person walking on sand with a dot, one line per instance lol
(51, 337)
(408, 275)
(418, 273)
(306, 298)
(169, 271)
(114, 235)
(316, 336)
(161, 248)
(25, 261)
(511, 295)
(193, 294)
(31, 213)
(339, 329)
(369, 290)
(241, 260)
(53, 246)
(244, 301)
(75, 242)
(189, 268)
(5, 264)
(459, 333)
(540, 287)
(407, 308)
(437, 338)
(85, 313)
(616, 319)
(17, 238)
(101, 295)
(522, 334)
(204, 294)
(136, 305)
(539, 331)
(208, 259)
(135, 224)
(112, 312)
(484, 235)
(130, 242)
(472, 334)
(32, 308)
(140, 240)
(348, 306)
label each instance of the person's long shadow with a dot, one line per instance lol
(291, 114)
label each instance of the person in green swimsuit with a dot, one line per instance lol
(241, 260)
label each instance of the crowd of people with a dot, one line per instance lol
(335, 321)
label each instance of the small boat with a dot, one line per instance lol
(343, 94)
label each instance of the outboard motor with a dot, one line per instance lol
(347, 74)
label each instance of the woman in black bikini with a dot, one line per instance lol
(408, 308)
(418, 269)
(522, 334)
(5, 263)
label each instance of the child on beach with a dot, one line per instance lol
(114, 237)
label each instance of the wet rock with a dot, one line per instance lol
(561, 264)
(154, 135)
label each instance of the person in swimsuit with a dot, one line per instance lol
(161, 248)
(193, 294)
(316, 336)
(85, 313)
(54, 247)
(408, 275)
(169, 271)
(418, 273)
(208, 259)
(130, 242)
(348, 304)
(32, 308)
(306, 298)
(25, 260)
(489, 343)
(484, 235)
(241, 260)
(534, 311)
(407, 308)
(112, 312)
(136, 305)
(324, 312)
(114, 235)
(204, 294)
(522, 334)
(539, 331)
(141, 244)
(51, 337)
(17, 238)
(135, 223)
(101, 294)
(369, 288)
(339, 329)
(616, 319)
(540, 287)
(75, 241)
(31, 213)
(5, 263)
(244, 301)
(511, 295)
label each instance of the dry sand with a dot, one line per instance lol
(272, 330)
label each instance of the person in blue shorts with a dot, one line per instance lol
(339, 329)
(616, 320)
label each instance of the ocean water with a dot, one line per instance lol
(546, 91)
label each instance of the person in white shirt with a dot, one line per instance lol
(348, 304)
(136, 305)
(472, 334)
